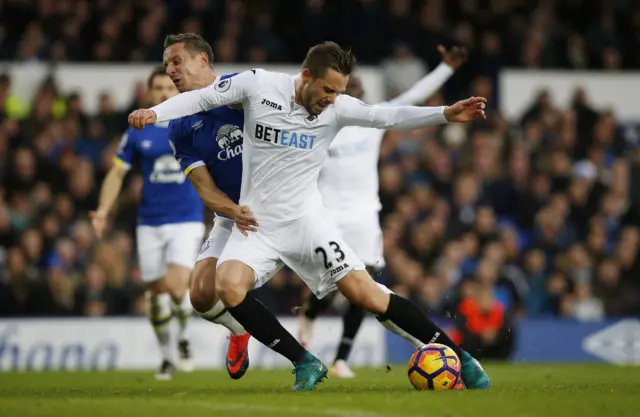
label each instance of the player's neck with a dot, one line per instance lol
(205, 81)
(298, 90)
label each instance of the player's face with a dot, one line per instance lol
(318, 93)
(184, 68)
(161, 89)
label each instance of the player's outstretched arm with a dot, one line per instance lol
(353, 112)
(112, 183)
(108, 195)
(219, 202)
(222, 93)
(425, 87)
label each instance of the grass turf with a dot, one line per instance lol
(518, 391)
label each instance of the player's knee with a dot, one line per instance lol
(363, 291)
(371, 298)
(203, 286)
(233, 281)
(375, 302)
(201, 300)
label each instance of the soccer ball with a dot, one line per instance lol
(435, 367)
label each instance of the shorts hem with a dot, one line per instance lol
(334, 281)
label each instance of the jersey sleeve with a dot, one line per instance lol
(223, 92)
(181, 141)
(353, 112)
(126, 150)
(424, 88)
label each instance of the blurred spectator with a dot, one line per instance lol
(484, 328)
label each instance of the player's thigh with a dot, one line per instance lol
(246, 253)
(151, 245)
(314, 249)
(359, 288)
(363, 234)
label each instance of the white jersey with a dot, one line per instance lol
(285, 146)
(348, 180)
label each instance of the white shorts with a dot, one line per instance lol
(176, 243)
(311, 246)
(218, 237)
(362, 232)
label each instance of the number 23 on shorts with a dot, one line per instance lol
(339, 254)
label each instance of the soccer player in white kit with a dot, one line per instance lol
(348, 184)
(290, 122)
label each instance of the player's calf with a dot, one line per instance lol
(160, 314)
(205, 301)
(177, 281)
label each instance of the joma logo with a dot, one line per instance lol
(271, 104)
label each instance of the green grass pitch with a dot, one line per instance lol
(518, 391)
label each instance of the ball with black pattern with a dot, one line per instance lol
(435, 367)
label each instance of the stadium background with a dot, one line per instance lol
(531, 215)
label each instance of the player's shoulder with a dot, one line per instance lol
(344, 102)
(349, 100)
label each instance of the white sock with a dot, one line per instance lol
(182, 312)
(392, 327)
(160, 314)
(219, 315)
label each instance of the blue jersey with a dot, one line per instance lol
(167, 196)
(213, 139)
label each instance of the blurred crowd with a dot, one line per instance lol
(525, 33)
(532, 217)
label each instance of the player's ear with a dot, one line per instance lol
(205, 58)
(306, 74)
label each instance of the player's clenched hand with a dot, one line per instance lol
(245, 221)
(99, 223)
(466, 110)
(142, 117)
(455, 57)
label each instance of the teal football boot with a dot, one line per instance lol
(310, 371)
(473, 375)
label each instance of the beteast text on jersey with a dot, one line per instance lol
(284, 137)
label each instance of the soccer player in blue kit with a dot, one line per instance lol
(208, 146)
(170, 225)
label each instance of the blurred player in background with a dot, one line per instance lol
(290, 121)
(348, 183)
(208, 146)
(170, 225)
